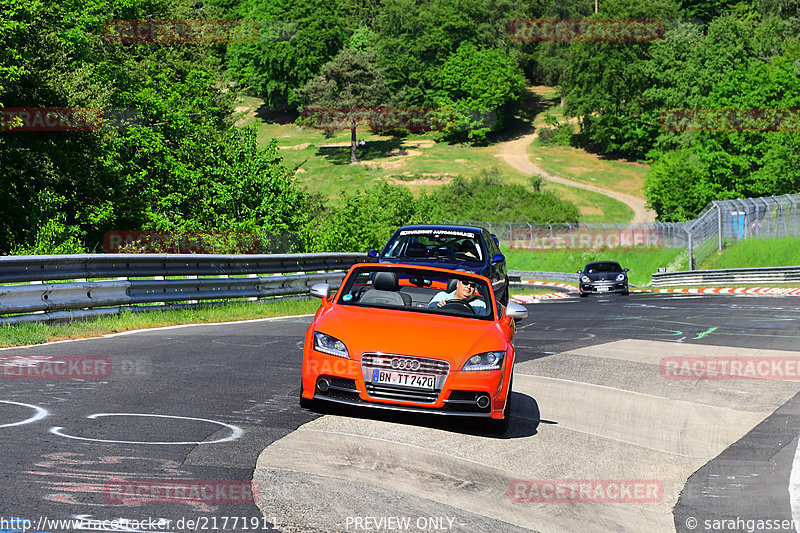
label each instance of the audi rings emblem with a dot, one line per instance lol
(405, 364)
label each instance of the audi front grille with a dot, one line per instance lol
(401, 363)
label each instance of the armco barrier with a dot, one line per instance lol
(736, 276)
(74, 299)
(515, 275)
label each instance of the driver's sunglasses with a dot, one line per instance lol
(472, 284)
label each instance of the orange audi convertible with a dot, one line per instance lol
(412, 338)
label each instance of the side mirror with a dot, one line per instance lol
(372, 254)
(321, 290)
(579, 271)
(625, 269)
(498, 257)
(516, 311)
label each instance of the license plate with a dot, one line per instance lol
(415, 381)
(602, 288)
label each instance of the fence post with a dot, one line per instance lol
(530, 230)
(719, 226)
(794, 209)
(691, 258)
(766, 208)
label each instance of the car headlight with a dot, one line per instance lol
(585, 279)
(485, 361)
(621, 277)
(330, 345)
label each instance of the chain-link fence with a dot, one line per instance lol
(719, 223)
(725, 221)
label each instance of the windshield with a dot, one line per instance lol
(417, 291)
(435, 243)
(594, 268)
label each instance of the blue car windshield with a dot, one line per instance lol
(434, 243)
(603, 267)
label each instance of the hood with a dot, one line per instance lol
(409, 333)
(603, 276)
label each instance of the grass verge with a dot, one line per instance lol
(753, 253)
(37, 333)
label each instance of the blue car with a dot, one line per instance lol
(455, 247)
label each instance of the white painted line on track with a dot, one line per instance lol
(236, 432)
(40, 414)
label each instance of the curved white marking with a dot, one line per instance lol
(236, 432)
(40, 413)
(794, 488)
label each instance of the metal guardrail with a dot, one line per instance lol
(42, 301)
(515, 275)
(728, 276)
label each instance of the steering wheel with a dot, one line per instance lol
(457, 305)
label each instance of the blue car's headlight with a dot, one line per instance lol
(621, 277)
(485, 361)
(330, 345)
(585, 279)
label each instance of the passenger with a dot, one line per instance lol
(465, 291)
(468, 249)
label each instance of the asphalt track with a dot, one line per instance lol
(589, 404)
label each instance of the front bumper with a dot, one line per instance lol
(455, 393)
(603, 287)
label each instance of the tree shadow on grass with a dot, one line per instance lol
(340, 155)
(277, 115)
(519, 119)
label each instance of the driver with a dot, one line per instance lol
(465, 291)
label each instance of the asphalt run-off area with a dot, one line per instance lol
(198, 428)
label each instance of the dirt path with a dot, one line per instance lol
(515, 153)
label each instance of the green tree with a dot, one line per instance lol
(478, 85)
(348, 82)
(295, 39)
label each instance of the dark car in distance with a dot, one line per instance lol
(600, 277)
(453, 247)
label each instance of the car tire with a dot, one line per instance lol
(584, 295)
(500, 427)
